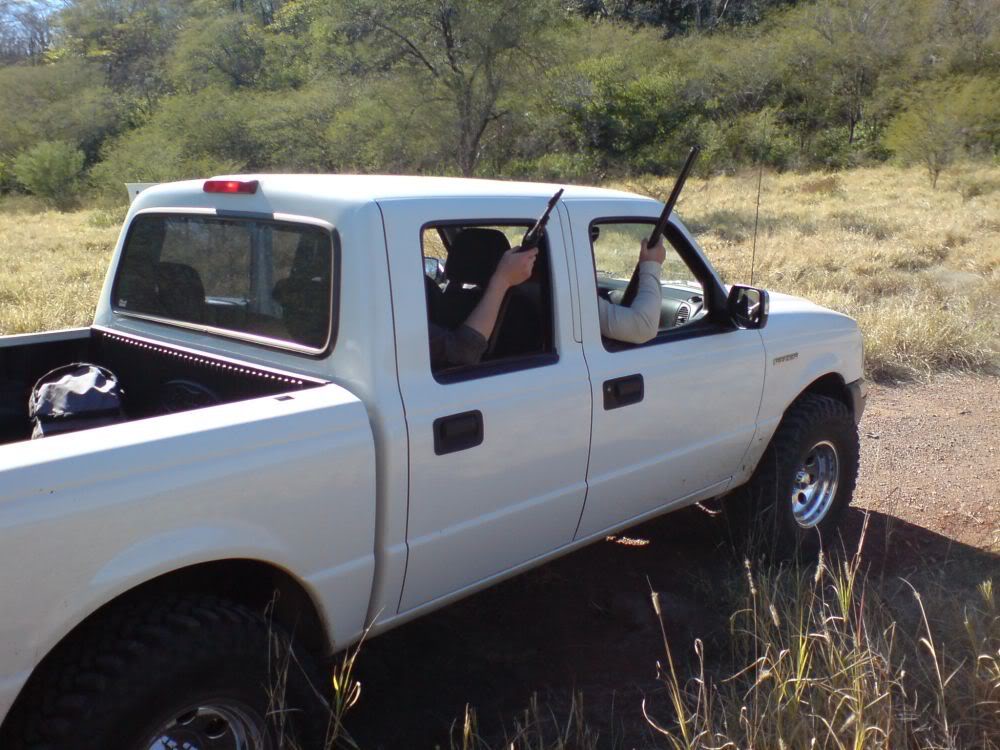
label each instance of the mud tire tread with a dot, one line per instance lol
(77, 697)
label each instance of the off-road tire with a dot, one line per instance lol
(767, 500)
(142, 664)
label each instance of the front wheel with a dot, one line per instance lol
(199, 673)
(805, 480)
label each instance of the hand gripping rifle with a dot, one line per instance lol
(532, 239)
(661, 224)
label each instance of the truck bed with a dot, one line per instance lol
(156, 378)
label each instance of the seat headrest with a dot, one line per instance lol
(474, 255)
(312, 260)
(304, 294)
(180, 291)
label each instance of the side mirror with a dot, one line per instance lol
(434, 268)
(748, 306)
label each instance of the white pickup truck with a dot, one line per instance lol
(294, 468)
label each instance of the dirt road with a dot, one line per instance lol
(931, 456)
(930, 477)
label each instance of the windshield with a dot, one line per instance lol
(246, 277)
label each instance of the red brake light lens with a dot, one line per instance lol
(231, 186)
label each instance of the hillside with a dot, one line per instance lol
(97, 92)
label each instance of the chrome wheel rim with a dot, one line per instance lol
(815, 484)
(215, 725)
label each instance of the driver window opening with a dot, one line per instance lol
(459, 261)
(615, 246)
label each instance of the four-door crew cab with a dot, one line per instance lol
(291, 469)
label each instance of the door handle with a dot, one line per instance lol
(623, 391)
(458, 432)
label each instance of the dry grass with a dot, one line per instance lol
(52, 266)
(824, 659)
(918, 268)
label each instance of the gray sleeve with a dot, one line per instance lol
(640, 322)
(463, 346)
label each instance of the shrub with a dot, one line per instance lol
(51, 170)
(7, 182)
(150, 154)
(830, 149)
(756, 138)
(557, 167)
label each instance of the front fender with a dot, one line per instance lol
(802, 344)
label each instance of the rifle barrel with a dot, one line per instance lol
(661, 223)
(533, 236)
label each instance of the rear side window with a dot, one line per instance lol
(249, 278)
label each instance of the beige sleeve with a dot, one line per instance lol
(640, 322)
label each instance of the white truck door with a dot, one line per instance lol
(498, 451)
(673, 417)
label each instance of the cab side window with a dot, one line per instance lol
(458, 262)
(615, 246)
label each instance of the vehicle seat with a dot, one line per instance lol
(180, 292)
(472, 259)
(305, 294)
(435, 300)
(519, 326)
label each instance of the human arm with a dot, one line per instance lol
(466, 344)
(513, 269)
(641, 321)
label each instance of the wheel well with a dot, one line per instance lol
(831, 385)
(257, 585)
(260, 586)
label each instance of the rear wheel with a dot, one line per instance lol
(805, 480)
(199, 673)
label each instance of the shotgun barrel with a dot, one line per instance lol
(661, 224)
(533, 236)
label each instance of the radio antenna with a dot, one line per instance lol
(756, 216)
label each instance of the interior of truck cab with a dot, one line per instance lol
(469, 255)
(615, 245)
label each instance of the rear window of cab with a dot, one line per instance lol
(270, 282)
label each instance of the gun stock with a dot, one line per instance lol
(661, 224)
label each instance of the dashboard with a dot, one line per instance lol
(681, 303)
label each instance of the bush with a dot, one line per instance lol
(151, 154)
(51, 170)
(557, 167)
(944, 120)
(7, 181)
(830, 149)
(755, 138)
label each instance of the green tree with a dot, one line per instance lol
(463, 55)
(26, 30)
(219, 49)
(130, 40)
(151, 154)
(928, 132)
(946, 119)
(51, 170)
(64, 101)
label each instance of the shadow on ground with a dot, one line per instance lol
(585, 623)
